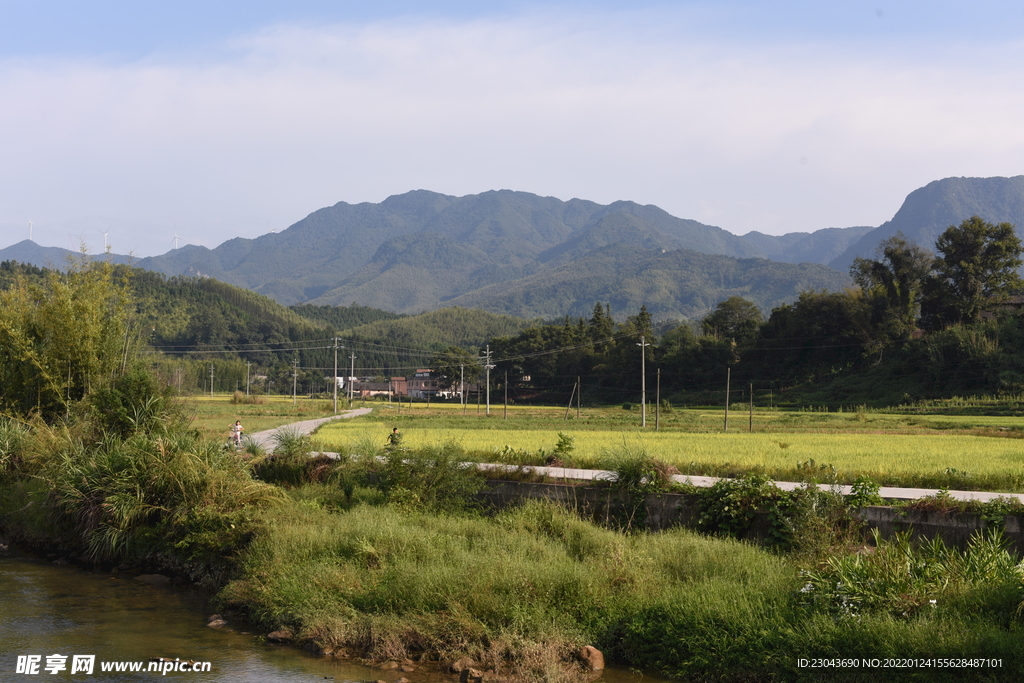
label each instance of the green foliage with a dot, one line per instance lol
(633, 469)
(290, 442)
(902, 579)
(976, 267)
(565, 446)
(138, 498)
(735, 319)
(63, 335)
(14, 438)
(433, 478)
(135, 403)
(344, 317)
(730, 506)
(863, 492)
(897, 279)
(456, 365)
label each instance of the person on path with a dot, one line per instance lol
(236, 433)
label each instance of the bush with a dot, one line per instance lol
(135, 403)
(435, 478)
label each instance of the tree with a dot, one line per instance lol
(454, 363)
(62, 336)
(602, 326)
(896, 279)
(736, 319)
(977, 267)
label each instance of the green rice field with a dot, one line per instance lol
(960, 452)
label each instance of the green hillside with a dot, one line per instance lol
(675, 284)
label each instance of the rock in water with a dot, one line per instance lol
(592, 658)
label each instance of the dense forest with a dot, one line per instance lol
(917, 326)
(198, 328)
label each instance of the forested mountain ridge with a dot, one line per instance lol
(503, 250)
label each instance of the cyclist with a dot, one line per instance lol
(236, 434)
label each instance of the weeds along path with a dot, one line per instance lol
(305, 427)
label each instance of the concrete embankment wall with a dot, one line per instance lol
(658, 511)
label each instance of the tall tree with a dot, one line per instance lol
(736, 319)
(896, 279)
(977, 267)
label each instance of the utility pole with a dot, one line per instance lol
(488, 367)
(579, 393)
(657, 397)
(643, 381)
(462, 387)
(211, 380)
(336, 376)
(728, 379)
(351, 379)
(504, 415)
(295, 380)
(248, 367)
(751, 406)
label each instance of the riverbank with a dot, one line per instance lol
(382, 555)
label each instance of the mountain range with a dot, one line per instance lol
(527, 255)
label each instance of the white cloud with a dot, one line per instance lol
(278, 123)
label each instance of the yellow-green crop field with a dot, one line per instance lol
(939, 451)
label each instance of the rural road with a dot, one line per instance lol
(266, 440)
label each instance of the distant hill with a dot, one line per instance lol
(928, 211)
(516, 252)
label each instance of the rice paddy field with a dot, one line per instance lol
(959, 452)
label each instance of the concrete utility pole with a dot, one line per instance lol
(462, 387)
(728, 379)
(336, 376)
(211, 380)
(351, 379)
(657, 399)
(295, 381)
(488, 367)
(248, 367)
(643, 381)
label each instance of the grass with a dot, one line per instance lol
(522, 590)
(937, 451)
(368, 555)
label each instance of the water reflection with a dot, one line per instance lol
(47, 609)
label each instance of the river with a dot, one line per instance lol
(48, 609)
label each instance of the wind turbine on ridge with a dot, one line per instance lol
(104, 239)
(175, 240)
(29, 229)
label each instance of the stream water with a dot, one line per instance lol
(48, 609)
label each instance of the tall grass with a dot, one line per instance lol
(141, 497)
(523, 590)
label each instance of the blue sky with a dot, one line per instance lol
(150, 119)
